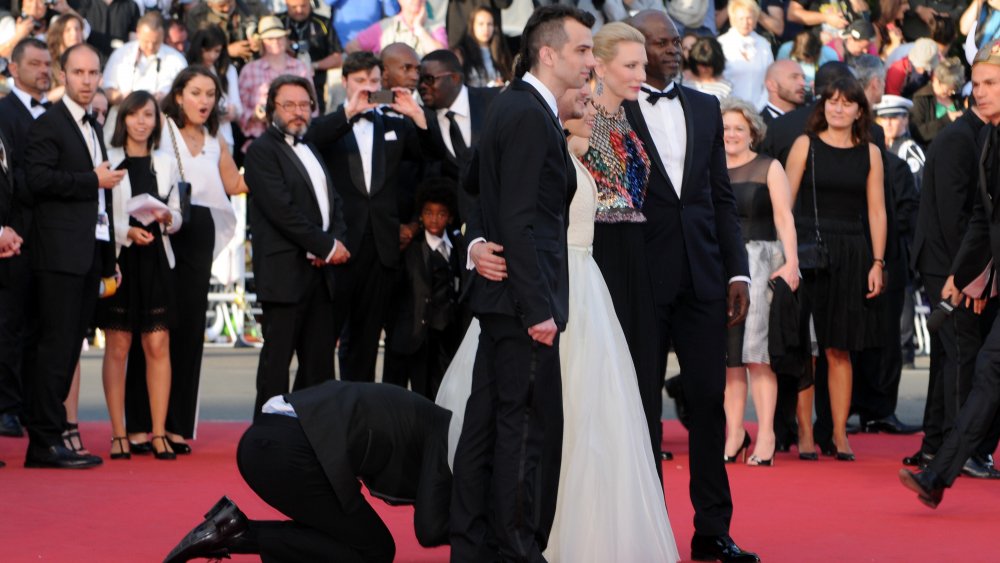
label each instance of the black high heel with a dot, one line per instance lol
(809, 456)
(123, 453)
(742, 450)
(757, 462)
(844, 456)
(166, 453)
(180, 448)
(827, 448)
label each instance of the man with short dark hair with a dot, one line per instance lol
(238, 19)
(143, 64)
(312, 37)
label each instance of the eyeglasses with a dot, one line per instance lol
(429, 79)
(301, 106)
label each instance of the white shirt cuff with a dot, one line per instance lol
(469, 264)
(740, 278)
(310, 256)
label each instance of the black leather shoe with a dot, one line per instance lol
(891, 425)
(719, 548)
(59, 457)
(2, 464)
(10, 426)
(979, 468)
(225, 530)
(925, 484)
(666, 456)
(919, 459)
(140, 448)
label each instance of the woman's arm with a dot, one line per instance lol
(795, 165)
(875, 192)
(969, 17)
(773, 20)
(781, 203)
(232, 180)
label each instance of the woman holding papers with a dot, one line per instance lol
(145, 302)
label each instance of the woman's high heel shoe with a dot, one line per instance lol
(757, 462)
(809, 456)
(742, 450)
(123, 452)
(166, 453)
(844, 456)
(180, 448)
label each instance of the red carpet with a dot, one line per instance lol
(797, 511)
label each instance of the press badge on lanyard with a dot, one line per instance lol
(103, 231)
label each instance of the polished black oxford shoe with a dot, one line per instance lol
(720, 548)
(980, 468)
(225, 530)
(59, 457)
(10, 426)
(925, 484)
(890, 425)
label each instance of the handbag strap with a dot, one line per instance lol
(177, 152)
(812, 166)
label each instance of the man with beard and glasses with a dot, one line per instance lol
(298, 233)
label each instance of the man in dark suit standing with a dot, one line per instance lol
(698, 267)
(30, 67)
(786, 89)
(298, 233)
(362, 149)
(306, 453)
(973, 278)
(507, 461)
(10, 240)
(71, 249)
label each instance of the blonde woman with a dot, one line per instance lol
(747, 53)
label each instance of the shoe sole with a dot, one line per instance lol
(906, 478)
(40, 465)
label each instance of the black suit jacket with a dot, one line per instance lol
(700, 230)
(396, 139)
(526, 182)
(392, 439)
(15, 122)
(981, 243)
(7, 204)
(479, 106)
(60, 175)
(947, 195)
(286, 221)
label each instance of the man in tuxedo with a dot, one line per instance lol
(30, 66)
(362, 148)
(786, 89)
(947, 199)
(298, 234)
(10, 246)
(305, 455)
(401, 69)
(72, 248)
(507, 461)
(698, 267)
(973, 278)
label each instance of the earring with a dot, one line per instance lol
(600, 87)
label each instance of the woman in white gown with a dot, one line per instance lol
(610, 505)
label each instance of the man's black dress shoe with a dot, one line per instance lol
(666, 456)
(719, 548)
(59, 457)
(979, 468)
(925, 484)
(10, 426)
(890, 425)
(224, 531)
(919, 459)
(2, 464)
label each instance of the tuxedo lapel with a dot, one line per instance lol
(354, 163)
(689, 122)
(64, 111)
(329, 180)
(634, 114)
(290, 155)
(986, 163)
(476, 116)
(378, 153)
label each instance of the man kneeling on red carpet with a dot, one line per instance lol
(305, 454)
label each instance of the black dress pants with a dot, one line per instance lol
(361, 302)
(278, 463)
(15, 298)
(506, 468)
(697, 331)
(65, 307)
(304, 329)
(878, 371)
(193, 248)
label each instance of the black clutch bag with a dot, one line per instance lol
(814, 255)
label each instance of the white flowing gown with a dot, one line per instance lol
(610, 505)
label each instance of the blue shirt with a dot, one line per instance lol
(351, 16)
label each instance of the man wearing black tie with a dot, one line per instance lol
(698, 267)
(506, 469)
(30, 66)
(71, 249)
(298, 233)
(362, 148)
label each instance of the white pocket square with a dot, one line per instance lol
(390, 136)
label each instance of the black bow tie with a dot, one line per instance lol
(297, 140)
(369, 115)
(91, 119)
(45, 104)
(654, 96)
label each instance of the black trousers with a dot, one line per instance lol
(977, 415)
(65, 307)
(878, 371)
(15, 297)
(278, 463)
(361, 303)
(304, 329)
(424, 369)
(506, 469)
(193, 246)
(697, 332)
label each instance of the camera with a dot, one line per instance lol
(300, 47)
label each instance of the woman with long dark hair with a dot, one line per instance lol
(208, 48)
(191, 139)
(836, 173)
(145, 303)
(65, 31)
(483, 51)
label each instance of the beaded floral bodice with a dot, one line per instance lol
(620, 167)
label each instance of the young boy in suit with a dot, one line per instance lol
(427, 321)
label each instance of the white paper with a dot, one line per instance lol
(143, 207)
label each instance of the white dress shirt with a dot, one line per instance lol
(25, 98)
(318, 180)
(440, 244)
(129, 70)
(747, 59)
(463, 117)
(94, 146)
(668, 128)
(364, 134)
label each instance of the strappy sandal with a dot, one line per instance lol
(72, 440)
(123, 452)
(166, 453)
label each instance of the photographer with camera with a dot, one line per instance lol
(33, 21)
(238, 19)
(314, 41)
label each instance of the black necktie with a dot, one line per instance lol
(654, 96)
(45, 104)
(457, 140)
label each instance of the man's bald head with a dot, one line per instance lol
(786, 84)
(401, 66)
